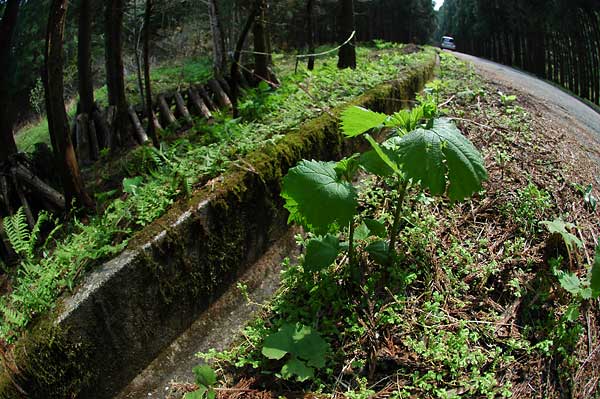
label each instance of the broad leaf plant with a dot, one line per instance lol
(420, 150)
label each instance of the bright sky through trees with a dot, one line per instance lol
(438, 3)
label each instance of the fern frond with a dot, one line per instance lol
(13, 316)
(17, 232)
(34, 236)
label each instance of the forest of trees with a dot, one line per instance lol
(55, 51)
(557, 40)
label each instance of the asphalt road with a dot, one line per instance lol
(566, 106)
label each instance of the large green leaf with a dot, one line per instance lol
(321, 252)
(278, 344)
(296, 367)
(372, 163)
(389, 158)
(317, 198)
(358, 120)
(298, 340)
(430, 156)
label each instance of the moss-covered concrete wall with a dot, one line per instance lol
(128, 310)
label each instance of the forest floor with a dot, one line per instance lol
(483, 299)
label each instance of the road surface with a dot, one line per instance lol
(584, 119)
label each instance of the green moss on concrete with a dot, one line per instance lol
(49, 363)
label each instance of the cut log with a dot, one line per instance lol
(182, 109)
(140, 133)
(206, 98)
(157, 125)
(220, 96)
(36, 184)
(165, 111)
(102, 129)
(82, 139)
(198, 106)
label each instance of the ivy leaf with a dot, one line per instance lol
(317, 198)
(379, 251)
(560, 227)
(205, 376)
(321, 252)
(432, 155)
(595, 278)
(358, 120)
(376, 227)
(296, 367)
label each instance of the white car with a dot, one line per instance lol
(448, 43)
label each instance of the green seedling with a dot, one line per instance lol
(206, 378)
(422, 151)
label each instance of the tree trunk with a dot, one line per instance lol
(114, 68)
(310, 31)
(84, 57)
(7, 27)
(235, 69)
(261, 59)
(347, 53)
(149, 111)
(219, 56)
(58, 125)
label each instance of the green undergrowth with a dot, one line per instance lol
(490, 297)
(165, 77)
(150, 179)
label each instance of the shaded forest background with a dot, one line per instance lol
(558, 40)
(180, 29)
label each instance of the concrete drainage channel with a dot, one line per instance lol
(173, 279)
(217, 328)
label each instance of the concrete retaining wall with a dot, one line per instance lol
(133, 306)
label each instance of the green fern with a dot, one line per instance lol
(17, 232)
(21, 239)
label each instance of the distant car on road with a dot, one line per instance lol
(448, 43)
